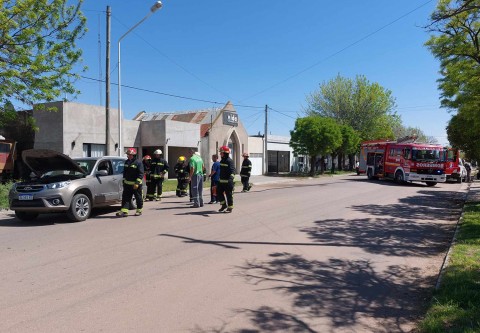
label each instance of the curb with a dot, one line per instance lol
(446, 260)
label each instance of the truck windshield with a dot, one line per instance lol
(427, 155)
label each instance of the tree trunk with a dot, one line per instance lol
(333, 163)
(312, 166)
(351, 161)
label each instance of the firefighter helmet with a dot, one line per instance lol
(181, 159)
(224, 149)
(158, 152)
(147, 157)
(131, 151)
(245, 154)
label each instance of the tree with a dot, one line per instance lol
(366, 107)
(464, 137)
(349, 146)
(402, 131)
(37, 49)
(315, 135)
(455, 28)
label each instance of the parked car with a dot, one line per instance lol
(462, 171)
(72, 186)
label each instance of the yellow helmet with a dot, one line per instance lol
(181, 159)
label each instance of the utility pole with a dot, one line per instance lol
(107, 90)
(265, 141)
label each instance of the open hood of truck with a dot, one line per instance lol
(41, 161)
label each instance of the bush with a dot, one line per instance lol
(4, 189)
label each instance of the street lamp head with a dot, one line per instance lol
(156, 6)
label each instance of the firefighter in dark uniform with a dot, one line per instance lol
(183, 172)
(226, 184)
(158, 169)
(245, 172)
(132, 183)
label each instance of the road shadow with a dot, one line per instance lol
(343, 292)
(55, 218)
(382, 236)
(431, 205)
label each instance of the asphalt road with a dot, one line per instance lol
(338, 254)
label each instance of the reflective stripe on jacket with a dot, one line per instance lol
(133, 172)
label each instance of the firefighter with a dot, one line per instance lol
(245, 172)
(132, 183)
(158, 169)
(226, 183)
(183, 172)
(147, 160)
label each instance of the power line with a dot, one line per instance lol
(172, 95)
(340, 51)
(283, 114)
(175, 62)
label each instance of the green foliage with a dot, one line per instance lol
(315, 135)
(455, 27)
(350, 140)
(37, 48)
(4, 189)
(366, 107)
(462, 133)
(12, 122)
(402, 131)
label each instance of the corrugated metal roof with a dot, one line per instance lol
(203, 116)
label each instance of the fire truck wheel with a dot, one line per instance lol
(399, 177)
(431, 183)
(459, 179)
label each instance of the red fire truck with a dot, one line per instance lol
(454, 168)
(403, 160)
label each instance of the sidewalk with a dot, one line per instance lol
(473, 192)
(261, 179)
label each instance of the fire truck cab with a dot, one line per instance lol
(454, 166)
(403, 161)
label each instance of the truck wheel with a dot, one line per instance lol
(80, 208)
(399, 177)
(459, 179)
(26, 216)
(431, 183)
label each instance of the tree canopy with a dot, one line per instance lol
(38, 49)
(366, 107)
(315, 135)
(455, 28)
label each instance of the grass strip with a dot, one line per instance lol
(455, 306)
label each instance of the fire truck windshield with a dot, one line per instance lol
(427, 155)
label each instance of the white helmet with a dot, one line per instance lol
(158, 152)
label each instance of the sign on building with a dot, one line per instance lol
(230, 118)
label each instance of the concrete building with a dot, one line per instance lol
(80, 130)
(280, 157)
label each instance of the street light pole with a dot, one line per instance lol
(153, 9)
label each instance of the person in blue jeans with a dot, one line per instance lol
(214, 177)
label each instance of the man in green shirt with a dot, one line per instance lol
(197, 169)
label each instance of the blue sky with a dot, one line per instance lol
(261, 53)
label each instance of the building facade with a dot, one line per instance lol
(80, 130)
